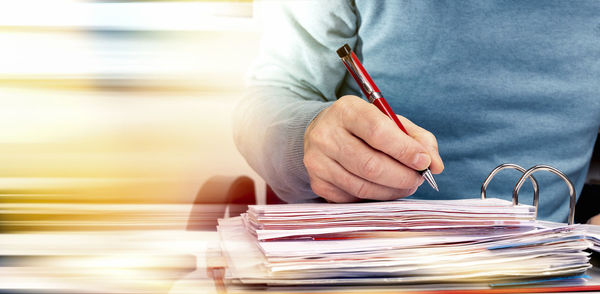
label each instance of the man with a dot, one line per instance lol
(495, 82)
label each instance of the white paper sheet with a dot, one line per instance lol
(404, 241)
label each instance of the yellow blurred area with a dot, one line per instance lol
(114, 146)
(113, 109)
(112, 115)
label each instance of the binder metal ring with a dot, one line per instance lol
(515, 196)
(535, 168)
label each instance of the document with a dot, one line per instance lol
(404, 241)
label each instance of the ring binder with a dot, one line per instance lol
(528, 174)
(557, 172)
(331, 243)
(488, 179)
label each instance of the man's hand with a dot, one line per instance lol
(594, 220)
(353, 151)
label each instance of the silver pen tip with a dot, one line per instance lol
(429, 178)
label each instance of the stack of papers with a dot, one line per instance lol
(403, 241)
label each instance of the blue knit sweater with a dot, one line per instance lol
(495, 81)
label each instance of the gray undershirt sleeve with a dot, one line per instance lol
(295, 76)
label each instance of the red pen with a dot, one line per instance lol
(368, 87)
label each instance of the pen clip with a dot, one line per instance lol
(358, 72)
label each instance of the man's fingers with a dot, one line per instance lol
(359, 187)
(428, 140)
(330, 192)
(352, 151)
(319, 173)
(360, 159)
(380, 132)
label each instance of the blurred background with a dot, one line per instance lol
(112, 115)
(119, 101)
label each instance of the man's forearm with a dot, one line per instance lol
(269, 127)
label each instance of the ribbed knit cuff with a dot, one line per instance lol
(294, 154)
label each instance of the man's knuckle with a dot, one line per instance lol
(431, 138)
(342, 100)
(415, 180)
(371, 167)
(346, 111)
(313, 165)
(430, 135)
(342, 103)
(406, 192)
(347, 99)
(403, 182)
(309, 161)
(318, 136)
(409, 180)
(362, 190)
(375, 128)
(337, 105)
(319, 188)
(346, 151)
(411, 191)
(401, 150)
